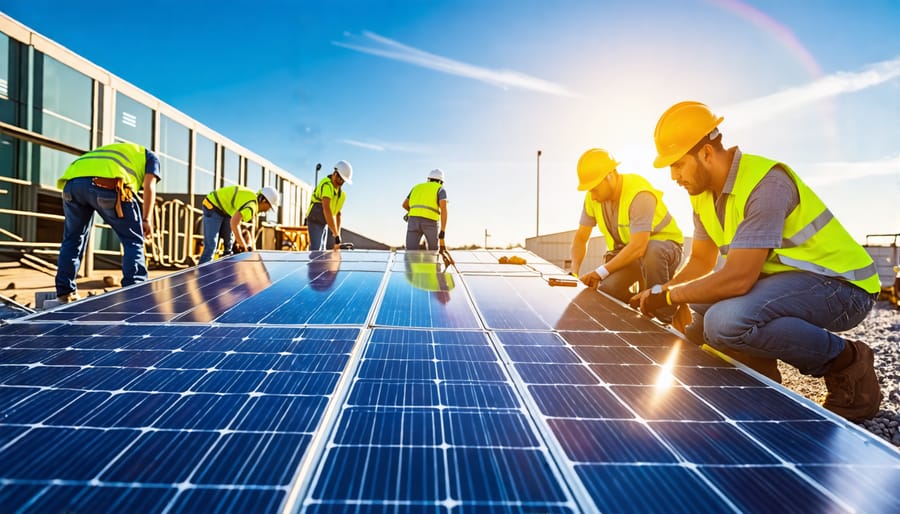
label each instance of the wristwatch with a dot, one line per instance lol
(657, 289)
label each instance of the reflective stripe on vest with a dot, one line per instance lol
(231, 199)
(812, 238)
(423, 200)
(124, 160)
(664, 226)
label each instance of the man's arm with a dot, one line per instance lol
(579, 247)
(703, 258)
(740, 273)
(149, 197)
(330, 219)
(443, 205)
(406, 203)
(236, 220)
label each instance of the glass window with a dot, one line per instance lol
(9, 64)
(231, 168)
(134, 121)
(204, 166)
(254, 176)
(174, 141)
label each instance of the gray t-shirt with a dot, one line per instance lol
(769, 204)
(640, 215)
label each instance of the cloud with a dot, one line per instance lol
(373, 44)
(380, 146)
(829, 173)
(771, 106)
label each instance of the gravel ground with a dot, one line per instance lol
(881, 331)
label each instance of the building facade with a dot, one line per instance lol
(56, 105)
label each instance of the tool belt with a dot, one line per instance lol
(123, 192)
(209, 205)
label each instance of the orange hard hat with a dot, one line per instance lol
(593, 166)
(680, 128)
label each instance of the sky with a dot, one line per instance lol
(478, 87)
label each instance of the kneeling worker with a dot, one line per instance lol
(642, 237)
(793, 275)
(223, 212)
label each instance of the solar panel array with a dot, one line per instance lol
(376, 382)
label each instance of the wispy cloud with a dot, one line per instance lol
(829, 173)
(381, 146)
(373, 44)
(771, 106)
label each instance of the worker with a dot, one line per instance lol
(104, 181)
(792, 274)
(642, 238)
(223, 212)
(323, 217)
(426, 206)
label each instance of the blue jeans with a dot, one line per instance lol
(787, 316)
(657, 266)
(81, 199)
(416, 227)
(319, 237)
(215, 226)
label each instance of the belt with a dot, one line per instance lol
(123, 192)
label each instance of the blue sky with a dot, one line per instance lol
(477, 87)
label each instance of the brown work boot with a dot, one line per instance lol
(68, 298)
(854, 392)
(762, 365)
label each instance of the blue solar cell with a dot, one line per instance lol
(611, 355)
(715, 377)
(163, 380)
(280, 414)
(506, 429)
(161, 457)
(389, 427)
(131, 410)
(38, 407)
(712, 443)
(238, 501)
(665, 403)
(570, 401)
(464, 352)
(820, 442)
(864, 488)
(65, 454)
(374, 508)
(407, 303)
(394, 351)
(529, 339)
(610, 441)
(229, 382)
(301, 382)
(502, 475)
(471, 371)
(78, 498)
(403, 474)
(397, 369)
(556, 374)
(663, 489)
(202, 412)
(755, 403)
(410, 394)
(547, 354)
(101, 379)
(757, 489)
(255, 459)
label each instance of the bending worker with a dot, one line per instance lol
(324, 214)
(223, 212)
(104, 181)
(642, 238)
(426, 205)
(792, 273)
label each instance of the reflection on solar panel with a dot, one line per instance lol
(374, 382)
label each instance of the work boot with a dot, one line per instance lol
(762, 365)
(854, 392)
(68, 298)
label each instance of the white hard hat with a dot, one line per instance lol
(344, 170)
(436, 174)
(271, 195)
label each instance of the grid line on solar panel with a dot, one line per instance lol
(409, 413)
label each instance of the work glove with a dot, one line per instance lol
(406, 217)
(657, 299)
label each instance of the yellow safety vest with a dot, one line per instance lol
(126, 160)
(231, 199)
(337, 197)
(664, 226)
(423, 200)
(812, 238)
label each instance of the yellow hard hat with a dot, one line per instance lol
(680, 128)
(593, 166)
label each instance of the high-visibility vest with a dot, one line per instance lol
(423, 200)
(231, 199)
(664, 227)
(126, 160)
(812, 238)
(337, 196)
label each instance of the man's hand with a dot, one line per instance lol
(651, 300)
(591, 279)
(147, 228)
(441, 234)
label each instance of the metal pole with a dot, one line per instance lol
(318, 167)
(537, 222)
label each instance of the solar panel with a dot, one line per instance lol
(375, 382)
